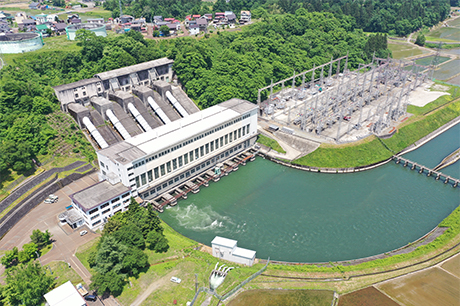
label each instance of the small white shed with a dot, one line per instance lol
(227, 249)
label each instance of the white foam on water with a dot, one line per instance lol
(199, 219)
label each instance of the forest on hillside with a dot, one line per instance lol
(396, 17)
(212, 69)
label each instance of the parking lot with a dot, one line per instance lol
(44, 217)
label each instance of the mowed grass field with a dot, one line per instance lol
(425, 288)
(275, 297)
(367, 296)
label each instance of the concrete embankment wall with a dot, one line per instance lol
(35, 198)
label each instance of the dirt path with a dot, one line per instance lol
(154, 286)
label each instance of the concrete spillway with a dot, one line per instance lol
(139, 117)
(117, 124)
(158, 110)
(449, 160)
(95, 133)
(176, 104)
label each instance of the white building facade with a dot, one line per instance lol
(100, 201)
(227, 249)
(159, 160)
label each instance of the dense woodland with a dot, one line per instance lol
(397, 17)
(212, 69)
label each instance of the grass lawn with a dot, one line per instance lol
(62, 273)
(46, 249)
(269, 142)
(84, 251)
(56, 43)
(96, 13)
(181, 258)
(371, 150)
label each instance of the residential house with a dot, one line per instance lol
(203, 24)
(75, 21)
(194, 29)
(208, 17)
(231, 18)
(126, 19)
(20, 17)
(136, 27)
(27, 23)
(96, 20)
(52, 17)
(42, 28)
(245, 16)
(157, 19)
(196, 16)
(41, 18)
(4, 27)
(173, 27)
(170, 20)
(59, 28)
(34, 6)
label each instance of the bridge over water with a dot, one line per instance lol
(429, 172)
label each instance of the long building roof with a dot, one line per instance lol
(177, 131)
(134, 68)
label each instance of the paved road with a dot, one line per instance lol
(66, 240)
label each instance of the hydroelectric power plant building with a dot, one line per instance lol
(20, 42)
(150, 138)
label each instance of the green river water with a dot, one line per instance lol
(293, 215)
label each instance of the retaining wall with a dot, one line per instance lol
(16, 194)
(35, 198)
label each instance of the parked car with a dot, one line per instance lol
(91, 298)
(82, 233)
(48, 201)
(347, 118)
(53, 197)
(176, 280)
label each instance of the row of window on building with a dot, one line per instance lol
(104, 208)
(189, 141)
(189, 157)
(191, 172)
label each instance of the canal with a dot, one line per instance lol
(293, 215)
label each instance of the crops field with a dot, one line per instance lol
(275, 297)
(425, 288)
(368, 296)
(403, 50)
(453, 265)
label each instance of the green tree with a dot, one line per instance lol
(26, 284)
(41, 239)
(131, 236)
(165, 30)
(110, 256)
(157, 241)
(135, 260)
(10, 257)
(420, 39)
(111, 282)
(28, 252)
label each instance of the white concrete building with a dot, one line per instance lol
(226, 249)
(100, 201)
(64, 295)
(159, 160)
